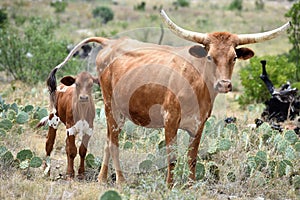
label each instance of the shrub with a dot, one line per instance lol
(30, 54)
(279, 71)
(140, 6)
(105, 13)
(259, 4)
(294, 36)
(236, 5)
(181, 3)
(3, 18)
(59, 5)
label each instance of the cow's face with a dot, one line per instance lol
(83, 86)
(222, 54)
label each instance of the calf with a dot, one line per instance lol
(72, 104)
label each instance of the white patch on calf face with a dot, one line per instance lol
(81, 127)
(54, 122)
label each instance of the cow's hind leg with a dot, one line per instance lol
(49, 145)
(102, 178)
(82, 153)
(71, 151)
(114, 150)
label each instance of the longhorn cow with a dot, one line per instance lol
(168, 87)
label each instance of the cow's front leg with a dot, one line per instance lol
(171, 126)
(82, 153)
(192, 154)
(71, 151)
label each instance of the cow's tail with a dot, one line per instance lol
(43, 122)
(99, 40)
(51, 81)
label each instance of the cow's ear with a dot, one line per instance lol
(198, 51)
(96, 80)
(244, 53)
(68, 80)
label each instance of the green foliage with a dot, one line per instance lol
(59, 5)
(259, 4)
(103, 12)
(236, 5)
(35, 162)
(279, 70)
(181, 3)
(92, 162)
(6, 124)
(140, 6)
(294, 36)
(30, 54)
(145, 166)
(24, 155)
(110, 195)
(3, 18)
(22, 117)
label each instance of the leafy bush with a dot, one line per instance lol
(294, 36)
(279, 70)
(140, 6)
(259, 4)
(105, 13)
(236, 5)
(181, 3)
(3, 18)
(59, 5)
(29, 55)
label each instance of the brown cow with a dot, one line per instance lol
(73, 105)
(164, 86)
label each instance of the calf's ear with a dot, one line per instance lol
(244, 53)
(68, 80)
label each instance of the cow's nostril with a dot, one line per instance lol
(84, 98)
(224, 86)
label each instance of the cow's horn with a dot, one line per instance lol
(185, 34)
(260, 37)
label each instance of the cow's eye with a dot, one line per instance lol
(234, 59)
(77, 85)
(209, 58)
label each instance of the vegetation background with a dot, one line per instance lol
(235, 162)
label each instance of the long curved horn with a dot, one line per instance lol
(185, 34)
(260, 37)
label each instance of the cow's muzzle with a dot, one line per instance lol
(223, 86)
(83, 98)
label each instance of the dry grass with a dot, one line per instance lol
(201, 16)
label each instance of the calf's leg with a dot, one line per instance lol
(82, 153)
(49, 144)
(71, 151)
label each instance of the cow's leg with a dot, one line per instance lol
(82, 153)
(102, 178)
(71, 151)
(193, 152)
(49, 144)
(171, 126)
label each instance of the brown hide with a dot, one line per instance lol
(163, 87)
